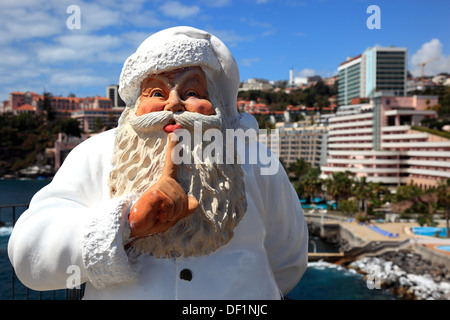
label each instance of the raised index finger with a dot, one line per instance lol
(170, 169)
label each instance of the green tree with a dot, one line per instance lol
(339, 185)
(47, 107)
(407, 192)
(69, 126)
(311, 182)
(299, 168)
(23, 139)
(411, 198)
(349, 206)
(443, 194)
(296, 171)
(263, 121)
(362, 190)
(380, 195)
(98, 125)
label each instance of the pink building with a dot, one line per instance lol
(252, 106)
(85, 110)
(60, 105)
(375, 140)
(63, 145)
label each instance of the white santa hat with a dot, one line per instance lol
(179, 47)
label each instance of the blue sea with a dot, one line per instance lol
(321, 281)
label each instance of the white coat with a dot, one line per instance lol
(73, 229)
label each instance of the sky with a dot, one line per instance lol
(45, 47)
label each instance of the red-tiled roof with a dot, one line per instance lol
(26, 107)
(351, 59)
(292, 108)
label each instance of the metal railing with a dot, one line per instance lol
(9, 215)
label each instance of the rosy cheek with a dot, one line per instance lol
(200, 106)
(147, 106)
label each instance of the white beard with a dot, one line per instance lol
(138, 160)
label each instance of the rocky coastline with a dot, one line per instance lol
(333, 239)
(404, 273)
(33, 172)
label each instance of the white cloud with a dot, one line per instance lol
(178, 10)
(265, 28)
(10, 57)
(76, 47)
(146, 19)
(133, 39)
(217, 3)
(95, 17)
(248, 62)
(229, 37)
(37, 49)
(57, 54)
(76, 78)
(305, 73)
(18, 24)
(431, 50)
(88, 41)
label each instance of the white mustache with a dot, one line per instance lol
(155, 121)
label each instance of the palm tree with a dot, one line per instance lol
(381, 194)
(296, 172)
(311, 183)
(407, 192)
(443, 194)
(299, 168)
(362, 191)
(339, 185)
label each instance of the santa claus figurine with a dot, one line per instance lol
(138, 223)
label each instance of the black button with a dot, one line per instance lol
(186, 274)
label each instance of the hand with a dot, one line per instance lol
(163, 203)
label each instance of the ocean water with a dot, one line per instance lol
(321, 281)
(327, 281)
(14, 192)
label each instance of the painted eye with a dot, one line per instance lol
(157, 94)
(191, 94)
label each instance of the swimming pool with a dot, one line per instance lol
(430, 231)
(319, 206)
(443, 248)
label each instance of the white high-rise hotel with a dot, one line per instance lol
(376, 140)
(377, 69)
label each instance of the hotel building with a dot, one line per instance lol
(112, 92)
(377, 69)
(349, 80)
(377, 140)
(304, 142)
(87, 110)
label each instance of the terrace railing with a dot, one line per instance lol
(8, 217)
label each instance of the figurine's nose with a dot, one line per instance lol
(174, 102)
